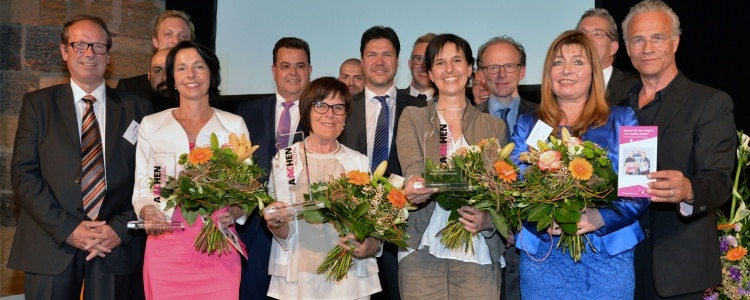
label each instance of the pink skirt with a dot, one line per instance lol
(173, 269)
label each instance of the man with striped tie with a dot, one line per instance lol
(72, 170)
(372, 122)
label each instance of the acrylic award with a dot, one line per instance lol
(443, 173)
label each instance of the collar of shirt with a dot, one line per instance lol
(647, 113)
(372, 110)
(293, 113)
(493, 105)
(100, 93)
(607, 75)
(429, 94)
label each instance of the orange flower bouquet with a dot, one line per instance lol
(491, 176)
(214, 178)
(561, 179)
(367, 206)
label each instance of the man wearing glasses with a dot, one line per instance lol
(72, 170)
(502, 62)
(421, 86)
(269, 120)
(601, 28)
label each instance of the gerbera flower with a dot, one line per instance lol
(397, 198)
(580, 169)
(199, 155)
(736, 254)
(505, 171)
(358, 177)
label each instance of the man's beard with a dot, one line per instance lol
(162, 89)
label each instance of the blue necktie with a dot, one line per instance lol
(380, 146)
(503, 115)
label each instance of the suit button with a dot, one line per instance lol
(77, 180)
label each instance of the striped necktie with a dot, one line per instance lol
(380, 146)
(93, 185)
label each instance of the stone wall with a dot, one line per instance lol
(30, 59)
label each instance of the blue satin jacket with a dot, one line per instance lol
(621, 231)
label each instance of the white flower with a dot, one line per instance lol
(474, 149)
(574, 150)
(731, 240)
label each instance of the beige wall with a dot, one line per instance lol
(30, 60)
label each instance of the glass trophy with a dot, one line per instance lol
(441, 174)
(162, 169)
(297, 175)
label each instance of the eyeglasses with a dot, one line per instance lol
(656, 40)
(596, 33)
(81, 47)
(418, 59)
(288, 66)
(494, 69)
(322, 108)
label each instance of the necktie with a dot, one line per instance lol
(93, 185)
(380, 146)
(422, 97)
(503, 114)
(285, 124)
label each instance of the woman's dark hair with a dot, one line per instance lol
(211, 61)
(436, 45)
(319, 89)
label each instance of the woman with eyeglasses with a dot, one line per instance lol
(427, 269)
(300, 247)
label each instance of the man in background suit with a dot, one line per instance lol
(421, 86)
(379, 48)
(601, 28)
(291, 70)
(680, 257)
(501, 61)
(350, 73)
(172, 27)
(58, 244)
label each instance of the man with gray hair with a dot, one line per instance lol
(502, 62)
(680, 257)
(601, 28)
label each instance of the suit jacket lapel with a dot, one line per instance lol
(358, 113)
(672, 103)
(112, 127)
(66, 103)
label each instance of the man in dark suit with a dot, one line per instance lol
(291, 70)
(600, 26)
(171, 27)
(60, 243)
(379, 48)
(501, 62)
(680, 257)
(421, 86)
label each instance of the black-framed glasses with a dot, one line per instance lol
(288, 66)
(322, 108)
(494, 69)
(81, 47)
(417, 59)
(596, 33)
